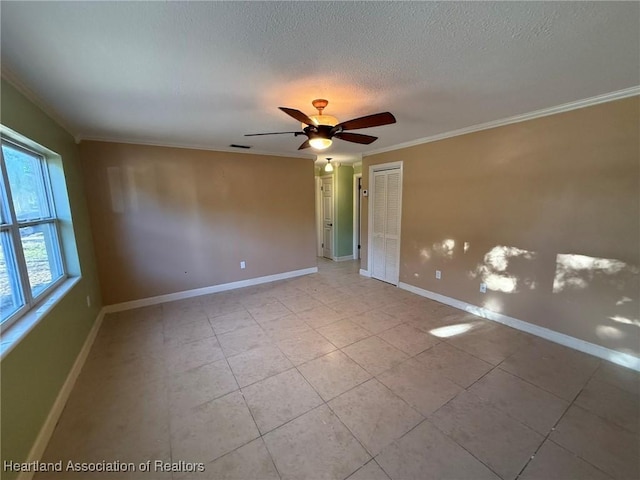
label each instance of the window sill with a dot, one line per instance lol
(21, 328)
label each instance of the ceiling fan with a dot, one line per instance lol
(320, 129)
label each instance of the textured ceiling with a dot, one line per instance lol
(203, 74)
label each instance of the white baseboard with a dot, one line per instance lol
(365, 273)
(619, 358)
(39, 446)
(145, 302)
(343, 259)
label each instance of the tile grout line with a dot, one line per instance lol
(373, 377)
(498, 366)
(324, 402)
(260, 435)
(507, 414)
(606, 420)
(428, 419)
(168, 396)
(465, 389)
(553, 428)
(380, 466)
(308, 383)
(173, 477)
(464, 448)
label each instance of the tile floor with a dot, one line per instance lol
(335, 376)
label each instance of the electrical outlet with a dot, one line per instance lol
(88, 300)
(243, 265)
(438, 274)
(483, 288)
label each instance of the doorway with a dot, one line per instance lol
(357, 214)
(326, 190)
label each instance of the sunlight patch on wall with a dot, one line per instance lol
(132, 189)
(609, 333)
(493, 304)
(495, 269)
(444, 249)
(116, 190)
(628, 321)
(576, 272)
(498, 257)
(501, 283)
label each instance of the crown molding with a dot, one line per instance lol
(566, 107)
(13, 80)
(193, 146)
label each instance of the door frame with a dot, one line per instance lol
(377, 168)
(318, 216)
(334, 215)
(357, 213)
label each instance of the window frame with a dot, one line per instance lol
(12, 226)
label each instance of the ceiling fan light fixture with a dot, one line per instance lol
(320, 143)
(320, 129)
(323, 120)
(328, 167)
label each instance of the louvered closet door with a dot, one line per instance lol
(379, 217)
(386, 225)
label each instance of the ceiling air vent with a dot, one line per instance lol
(234, 145)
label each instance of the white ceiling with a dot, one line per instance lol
(203, 74)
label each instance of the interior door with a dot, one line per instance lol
(327, 217)
(385, 253)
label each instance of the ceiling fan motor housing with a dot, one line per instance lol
(319, 131)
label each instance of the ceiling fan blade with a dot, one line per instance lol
(375, 120)
(297, 114)
(306, 144)
(356, 138)
(271, 133)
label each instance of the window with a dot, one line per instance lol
(30, 257)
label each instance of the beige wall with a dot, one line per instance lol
(549, 210)
(166, 220)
